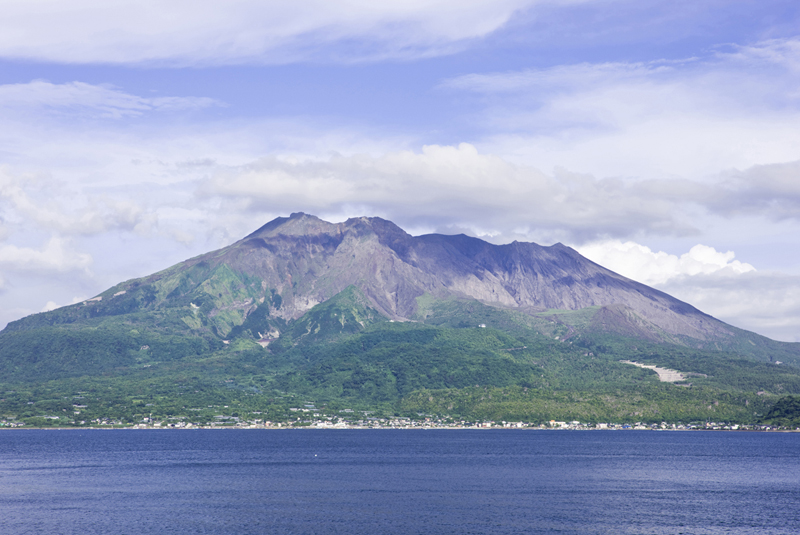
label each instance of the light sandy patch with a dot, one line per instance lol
(665, 375)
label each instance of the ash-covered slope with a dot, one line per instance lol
(308, 261)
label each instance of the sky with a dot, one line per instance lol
(660, 139)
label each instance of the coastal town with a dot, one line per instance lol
(332, 422)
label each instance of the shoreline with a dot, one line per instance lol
(767, 429)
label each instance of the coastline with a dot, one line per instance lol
(740, 429)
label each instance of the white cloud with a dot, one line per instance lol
(53, 206)
(640, 263)
(55, 256)
(461, 187)
(192, 32)
(764, 302)
(100, 171)
(52, 305)
(447, 186)
(770, 190)
(647, 120)
(4, 230)
(88, 100)
(712, 281)
(783, 52)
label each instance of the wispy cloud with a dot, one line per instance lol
(760, 301)
(48, 205)
(462, 187)
(770, 190)
(205, 32)
(448, 186)
(732, 109)
(90, 101)
(55, 256)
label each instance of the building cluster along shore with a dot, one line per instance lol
(397, 423)
(435, 423)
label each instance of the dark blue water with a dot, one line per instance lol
(407, 481)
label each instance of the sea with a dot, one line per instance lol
(375, 481)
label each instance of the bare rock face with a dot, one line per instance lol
(308, 261)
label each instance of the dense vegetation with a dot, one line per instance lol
(785, 412)
(460, 359)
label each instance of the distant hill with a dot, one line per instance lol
(301, 299)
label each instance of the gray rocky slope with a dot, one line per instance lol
(308, 261)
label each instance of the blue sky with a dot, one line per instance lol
(661, 139)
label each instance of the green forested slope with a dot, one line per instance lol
(166, 357)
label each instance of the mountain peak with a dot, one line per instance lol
(297, 224)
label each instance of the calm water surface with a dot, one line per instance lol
(405, 481)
